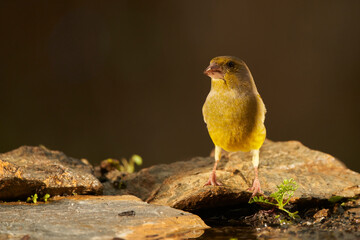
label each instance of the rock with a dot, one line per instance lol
(352, 203)
(97, 217)
(338, 209)
(115, 177)
(355, 212)
(108, 165)
(321, 215)
(28, 170)
(181, 184)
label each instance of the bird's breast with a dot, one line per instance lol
(234, 120)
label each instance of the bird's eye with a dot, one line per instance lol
(230, 64)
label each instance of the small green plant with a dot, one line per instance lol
(32, 198)
(46, 197)
(285, 191)
(127, 166)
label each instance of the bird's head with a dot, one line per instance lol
(231, 70)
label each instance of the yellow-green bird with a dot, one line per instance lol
(234, 112)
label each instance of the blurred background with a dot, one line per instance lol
(99, 79)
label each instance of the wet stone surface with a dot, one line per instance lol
(97, 217)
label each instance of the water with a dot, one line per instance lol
(230, 232)
(272, 233)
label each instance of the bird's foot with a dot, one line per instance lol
(256, 188)
(212, 180)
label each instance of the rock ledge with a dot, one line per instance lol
(180, 184)
(28, 170)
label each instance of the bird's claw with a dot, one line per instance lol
(256, 188)
(212, 180)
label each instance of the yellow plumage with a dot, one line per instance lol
(234, 112)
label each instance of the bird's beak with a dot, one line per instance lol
(214, 71)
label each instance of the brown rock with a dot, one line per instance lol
(97, 217)
(28, 170)
(108, 165)
(352, 203)
(320, 215)
(181, 184)
(338, 209)
(354, 211)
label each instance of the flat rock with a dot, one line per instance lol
(28, 170)
(97, 217)
(181, 184)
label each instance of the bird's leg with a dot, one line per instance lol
(212, 178)
(256, 185)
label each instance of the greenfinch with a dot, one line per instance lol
(234, 113)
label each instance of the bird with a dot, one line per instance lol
(234, 113)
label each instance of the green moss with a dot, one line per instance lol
(335, 199)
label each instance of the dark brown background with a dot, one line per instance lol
(111, 78)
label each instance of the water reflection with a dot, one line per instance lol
(272, 233)
(227, 233)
